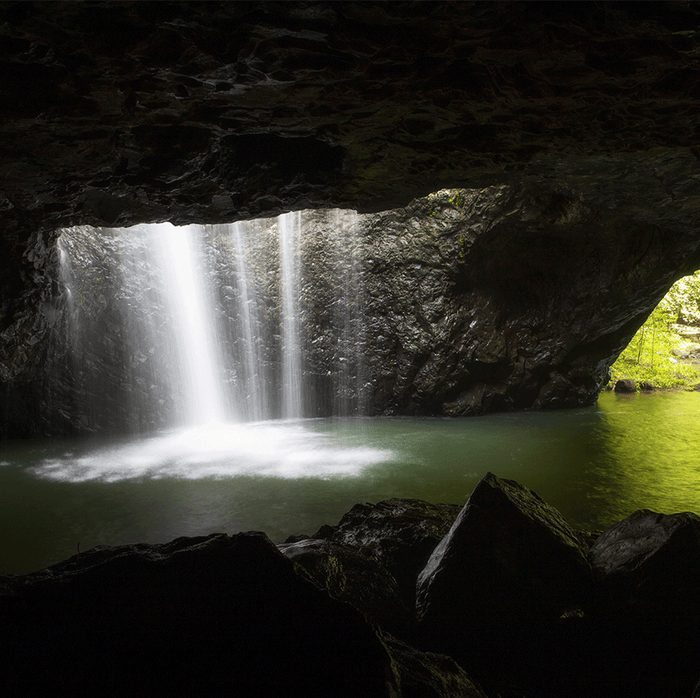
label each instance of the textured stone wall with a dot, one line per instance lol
(464, 302)
(119, 113)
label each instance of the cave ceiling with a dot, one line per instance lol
(588, 114)
(125, 112)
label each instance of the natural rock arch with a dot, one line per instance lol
(582, 116)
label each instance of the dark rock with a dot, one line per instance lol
(646, 385)
(495, 590)
(648, 592)
(360, 580)
(429, 675)
(400, 534)
(120, 113)
(625, 385)
(206, 616)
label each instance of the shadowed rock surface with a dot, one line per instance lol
(497, 587)
(360, 580)
(400, 534)
(200, 616)
(646, 609)
(583, 116)
(206, 616)
(222, 615)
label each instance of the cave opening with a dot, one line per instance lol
(224, 377)
(663, 354)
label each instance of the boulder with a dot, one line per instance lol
(646, 609)
(400, 534)
(503, 583)
(625, 385)
(360, 580)
(430, 675)
(216, 615)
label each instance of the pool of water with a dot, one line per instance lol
(596, 465)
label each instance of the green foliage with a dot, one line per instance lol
(648, 357)
(683, 300)
(462, 256)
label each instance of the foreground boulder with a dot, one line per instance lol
(497, 587)
(360, 580)
(206, 616)
(429, 675)
(400, 534)
(511, 597)
(646, 610)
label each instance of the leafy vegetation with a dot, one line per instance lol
(650, 355)
(683, 300)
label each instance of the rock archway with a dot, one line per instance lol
(579, 118)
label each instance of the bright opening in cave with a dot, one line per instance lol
(664, 353)
(225, 375)
(203, 324)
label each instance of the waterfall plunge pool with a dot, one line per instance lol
(596, 465)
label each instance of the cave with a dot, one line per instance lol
(574, 125)
(553, 146)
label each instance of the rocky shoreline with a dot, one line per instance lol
(500, 598)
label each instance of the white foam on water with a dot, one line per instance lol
(275, 449)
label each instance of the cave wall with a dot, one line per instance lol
(585, 113)
(462, 303)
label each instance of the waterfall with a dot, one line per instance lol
(192, 318)
(254, 394)
(193, 325)
(289, 225)
(348, 315)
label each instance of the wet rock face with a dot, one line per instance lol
(463, 302)
(399, 534)
(500, 299)
(206, 113)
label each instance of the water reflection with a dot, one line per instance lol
(596, 465)
(650, 455)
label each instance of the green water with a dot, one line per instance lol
(596, 465)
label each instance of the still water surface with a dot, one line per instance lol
(596, 465)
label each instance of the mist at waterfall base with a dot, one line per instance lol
(212, 346)
(206, 348)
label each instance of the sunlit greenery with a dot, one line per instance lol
(650, 355)
(683, 300)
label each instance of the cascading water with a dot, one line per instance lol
(191, 314)
(195, 355)
(197, 325)
(289, 225)
(254, 396)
